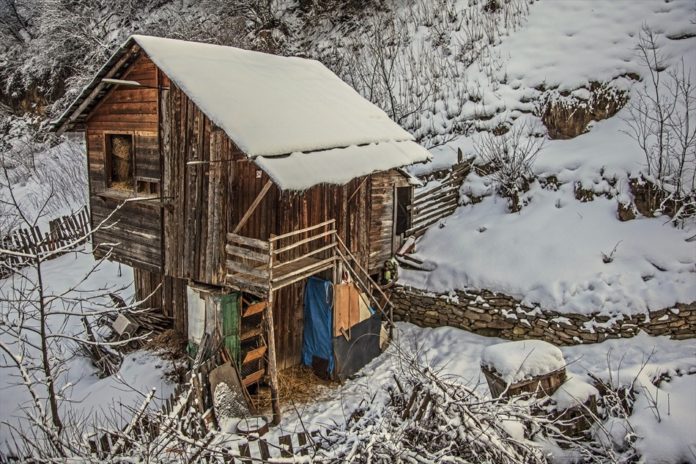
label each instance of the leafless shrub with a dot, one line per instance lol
(662, 120)
(609, 257)
(511, 157)
(37, 337)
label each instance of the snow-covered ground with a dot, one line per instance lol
(456, 355)
(87, 395)
(550, 252)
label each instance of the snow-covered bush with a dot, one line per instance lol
(510, 157)
(53, 47)
(662, 121)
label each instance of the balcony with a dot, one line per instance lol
(262, 266)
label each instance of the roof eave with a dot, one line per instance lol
(93, 91)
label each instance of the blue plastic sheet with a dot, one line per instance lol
(318, 315)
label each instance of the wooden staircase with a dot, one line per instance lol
(253, 347)
(347, 263)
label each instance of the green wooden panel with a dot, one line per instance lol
(229, 306)
(191, 349)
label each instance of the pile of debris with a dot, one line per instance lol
(119, 332)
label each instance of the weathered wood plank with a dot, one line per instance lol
(251, 242)
(246, 253)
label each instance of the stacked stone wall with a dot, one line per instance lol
(495, 314)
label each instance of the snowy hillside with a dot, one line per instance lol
(551, 251)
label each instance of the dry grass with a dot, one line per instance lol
(297, 385)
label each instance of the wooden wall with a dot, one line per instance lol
(170, 297)
(382, 217)
(208, 200)
(133, 111)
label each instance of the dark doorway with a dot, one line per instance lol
(403, 215)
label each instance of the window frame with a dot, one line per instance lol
(108, 159)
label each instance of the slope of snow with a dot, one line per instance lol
(551, 252)
(567, 44)
(268, 104)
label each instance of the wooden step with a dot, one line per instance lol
(253, 378)
(251, 333)
(255, 309)
(254, 354)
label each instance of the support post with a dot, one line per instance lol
(272, 367)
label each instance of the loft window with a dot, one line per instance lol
(119, 161)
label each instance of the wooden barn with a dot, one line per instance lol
(240, 175)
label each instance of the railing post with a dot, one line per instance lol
(272, 367)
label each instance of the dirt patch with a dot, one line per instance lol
(567, 115)
(171, 346)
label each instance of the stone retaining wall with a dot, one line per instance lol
(491, 314)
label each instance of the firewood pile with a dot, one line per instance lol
(107, 360)
(428, 419)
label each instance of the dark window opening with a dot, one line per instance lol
(403, 215)
(147, 186)
(119, 161)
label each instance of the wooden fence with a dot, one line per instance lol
(63, 231)
(431, 205)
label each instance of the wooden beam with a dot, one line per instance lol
(253, 206)
(303, 241)
(250, 242)
(246, 254)
(272, 366)
(275, 238)
(270, 334)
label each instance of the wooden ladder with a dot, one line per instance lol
(253, 347)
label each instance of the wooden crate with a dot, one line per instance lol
(542, 385)
(575, 421)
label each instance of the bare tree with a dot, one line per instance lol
(662, 120)
(40, 328)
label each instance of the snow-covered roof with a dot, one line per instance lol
(269, 104)
(300, 171)
(274, 106)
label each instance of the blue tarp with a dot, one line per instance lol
(318, 314)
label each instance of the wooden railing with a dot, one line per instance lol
(365, 283)
(257, 265)
(430, 206)
(299, 254)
